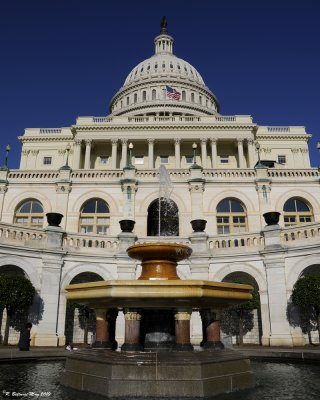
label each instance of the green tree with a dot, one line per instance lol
(16, 296)
(238, 319)
(86, 318)
(306, 295)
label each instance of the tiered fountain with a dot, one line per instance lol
(157, 359)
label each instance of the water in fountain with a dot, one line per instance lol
(166, 207)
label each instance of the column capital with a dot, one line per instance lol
(77, 142)
(34, 152)
(213, 140)
(3, 189)
(182, 315)
(250, 142)
(204, 140)
(25, 152)
(150, 140)
(88, 142)
(196, 187)
(177, 140)
(124, 141)
(114, 141)
(132, 316)
(239, 140)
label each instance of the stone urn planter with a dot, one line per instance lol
(271, 217)
(198, 225)
(127, 225)
(54, 219)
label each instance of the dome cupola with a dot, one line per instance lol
(164, 85)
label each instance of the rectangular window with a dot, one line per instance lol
(104, 159)
(282, 160)
(224, 159)
(189, 159)
(164, 159)
(102, 230)
(139, 160)
(47, 160)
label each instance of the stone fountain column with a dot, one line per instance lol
(182, 330)
(211, 325)
(132, 331)
(102, 330)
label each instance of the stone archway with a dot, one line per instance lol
(252, 321)
(80, 321)
(163, 218)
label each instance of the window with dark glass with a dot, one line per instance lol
(231, 216)
(29, 213)
(296, 211)
(95, 217)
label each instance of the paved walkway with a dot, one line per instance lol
(311, 354)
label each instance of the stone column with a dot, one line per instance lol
(3, 189)
(77, 153)
(214, 153)
(47, 333)
(102, 330)
(280, 333)
(114, 153)
(240, 153)
(305, 157)
(24, 159)
(88, 154)
(211, 329)
(182, 330)
(250, 152)
(177, 153)
(132, 331)
(204, 153)
(34, 158)
(124, 152)
(151, 153)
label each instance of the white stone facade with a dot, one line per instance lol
(162, 131)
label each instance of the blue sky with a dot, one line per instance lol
(64, 58)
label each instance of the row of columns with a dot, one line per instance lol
(106, 324)
(177, 142)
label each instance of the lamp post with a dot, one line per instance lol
(258, 164)
(195, 165)
(5, 167)
(129, 163)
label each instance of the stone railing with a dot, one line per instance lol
(96, 174)
(304, 233)
(153, 174)
(22, 236)
(119, 120)
(38, 175)
(241, 242)
(229, 173)
(294, 173)
(78, 241)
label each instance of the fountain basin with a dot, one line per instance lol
(159, 260)
(159, 294)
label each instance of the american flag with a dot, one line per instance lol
(172, 93)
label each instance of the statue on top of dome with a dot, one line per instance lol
(163, 26)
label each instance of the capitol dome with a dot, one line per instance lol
(164, 85)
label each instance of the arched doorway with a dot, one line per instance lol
(80, 320)
(163, 218)
(243, 324)
(11, 324)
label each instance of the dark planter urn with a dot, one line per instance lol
(127, 225)
(272, 217)
(54, 219)
(198, 225)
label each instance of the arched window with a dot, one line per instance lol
(184, 95)
(135, 98)
(192, 97)
(94, 217)
(231, 216)
(144, 95)
(296, 211)
(167, 211)
(29, 213)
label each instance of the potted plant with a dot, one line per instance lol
(271, 217)
(198, 225)
(54, 219)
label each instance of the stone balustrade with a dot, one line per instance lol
(165, 239)
(306, 234)
(22, 236)
(293, 173)
(241, 242)
(229, 173)
(96, 174)
(32, 175)
(84, 242)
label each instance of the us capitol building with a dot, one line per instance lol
(164, 143)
